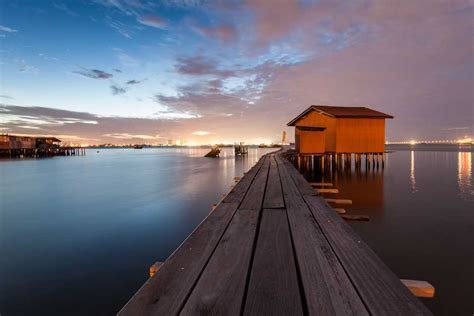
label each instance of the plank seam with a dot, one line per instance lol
(332, 248)
(304, 303)
(219, 240)
(254, 245)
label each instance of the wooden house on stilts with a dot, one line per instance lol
(337, 133)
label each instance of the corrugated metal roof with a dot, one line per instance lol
(342, 111)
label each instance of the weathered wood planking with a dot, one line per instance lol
(254, 198)
(167, 290)
(221, 287)
(237, 194)
(273, 286)
(301, 258)
(273, 193)
(379, 288)
(299, 179)
(327, 289)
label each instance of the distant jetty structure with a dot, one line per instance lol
(15, 146)
(333, 136)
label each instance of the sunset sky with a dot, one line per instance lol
(127, 71)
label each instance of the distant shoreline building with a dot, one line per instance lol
(324, 129)
(15, 146)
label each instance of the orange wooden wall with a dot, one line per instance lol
(342, 135)
(360, 135)
(316, 119)
(310, 142)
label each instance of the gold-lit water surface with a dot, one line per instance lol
(465, 175)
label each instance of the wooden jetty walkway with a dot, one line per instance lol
(274, 247)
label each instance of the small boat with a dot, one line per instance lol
(137, 146)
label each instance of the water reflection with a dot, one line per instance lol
(365, 187)
(465, 175)
(412, 172)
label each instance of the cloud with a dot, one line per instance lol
(93, 73)
(125, 59)
(117, 90)
(152, 20)
(5, 29)
(201, 133)
(200, 66)
(28, 127)
(224, 33)
(133, 81)
(117, 70)
(64, 8)
(6, 97)
(131, 136)
(120, 27)
(128, 7)
(24, 67)
(85, 126)
(15, 116)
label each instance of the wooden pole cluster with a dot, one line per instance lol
(42, 152)
(338, 161)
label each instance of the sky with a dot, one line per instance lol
(141, 71)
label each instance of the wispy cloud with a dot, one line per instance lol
(4, 96)
(5, 29)
(120, 27)
(93, 73)
(117, 90)
(131, 136)
(125, 59)
(133, 81)
(25, 67)
(222, 32)
(63, 7)
(201, 133)
(153, 21)
(199, 66)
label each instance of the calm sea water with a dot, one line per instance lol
(421, 209)
(78, 234)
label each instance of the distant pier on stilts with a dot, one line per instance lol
(14, 146)
(241, 149)
(337, 138)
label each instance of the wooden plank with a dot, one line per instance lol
(327, 190)
(254, 198)
(221, 287)
(236, 195)
(339, 201)
(273, 285)
(167, 290)
(327, 289)
(297, 177)
(419, 288)
(340, 210)
(321, 184)
(355, 217)
(273, 194)
(379, 288)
